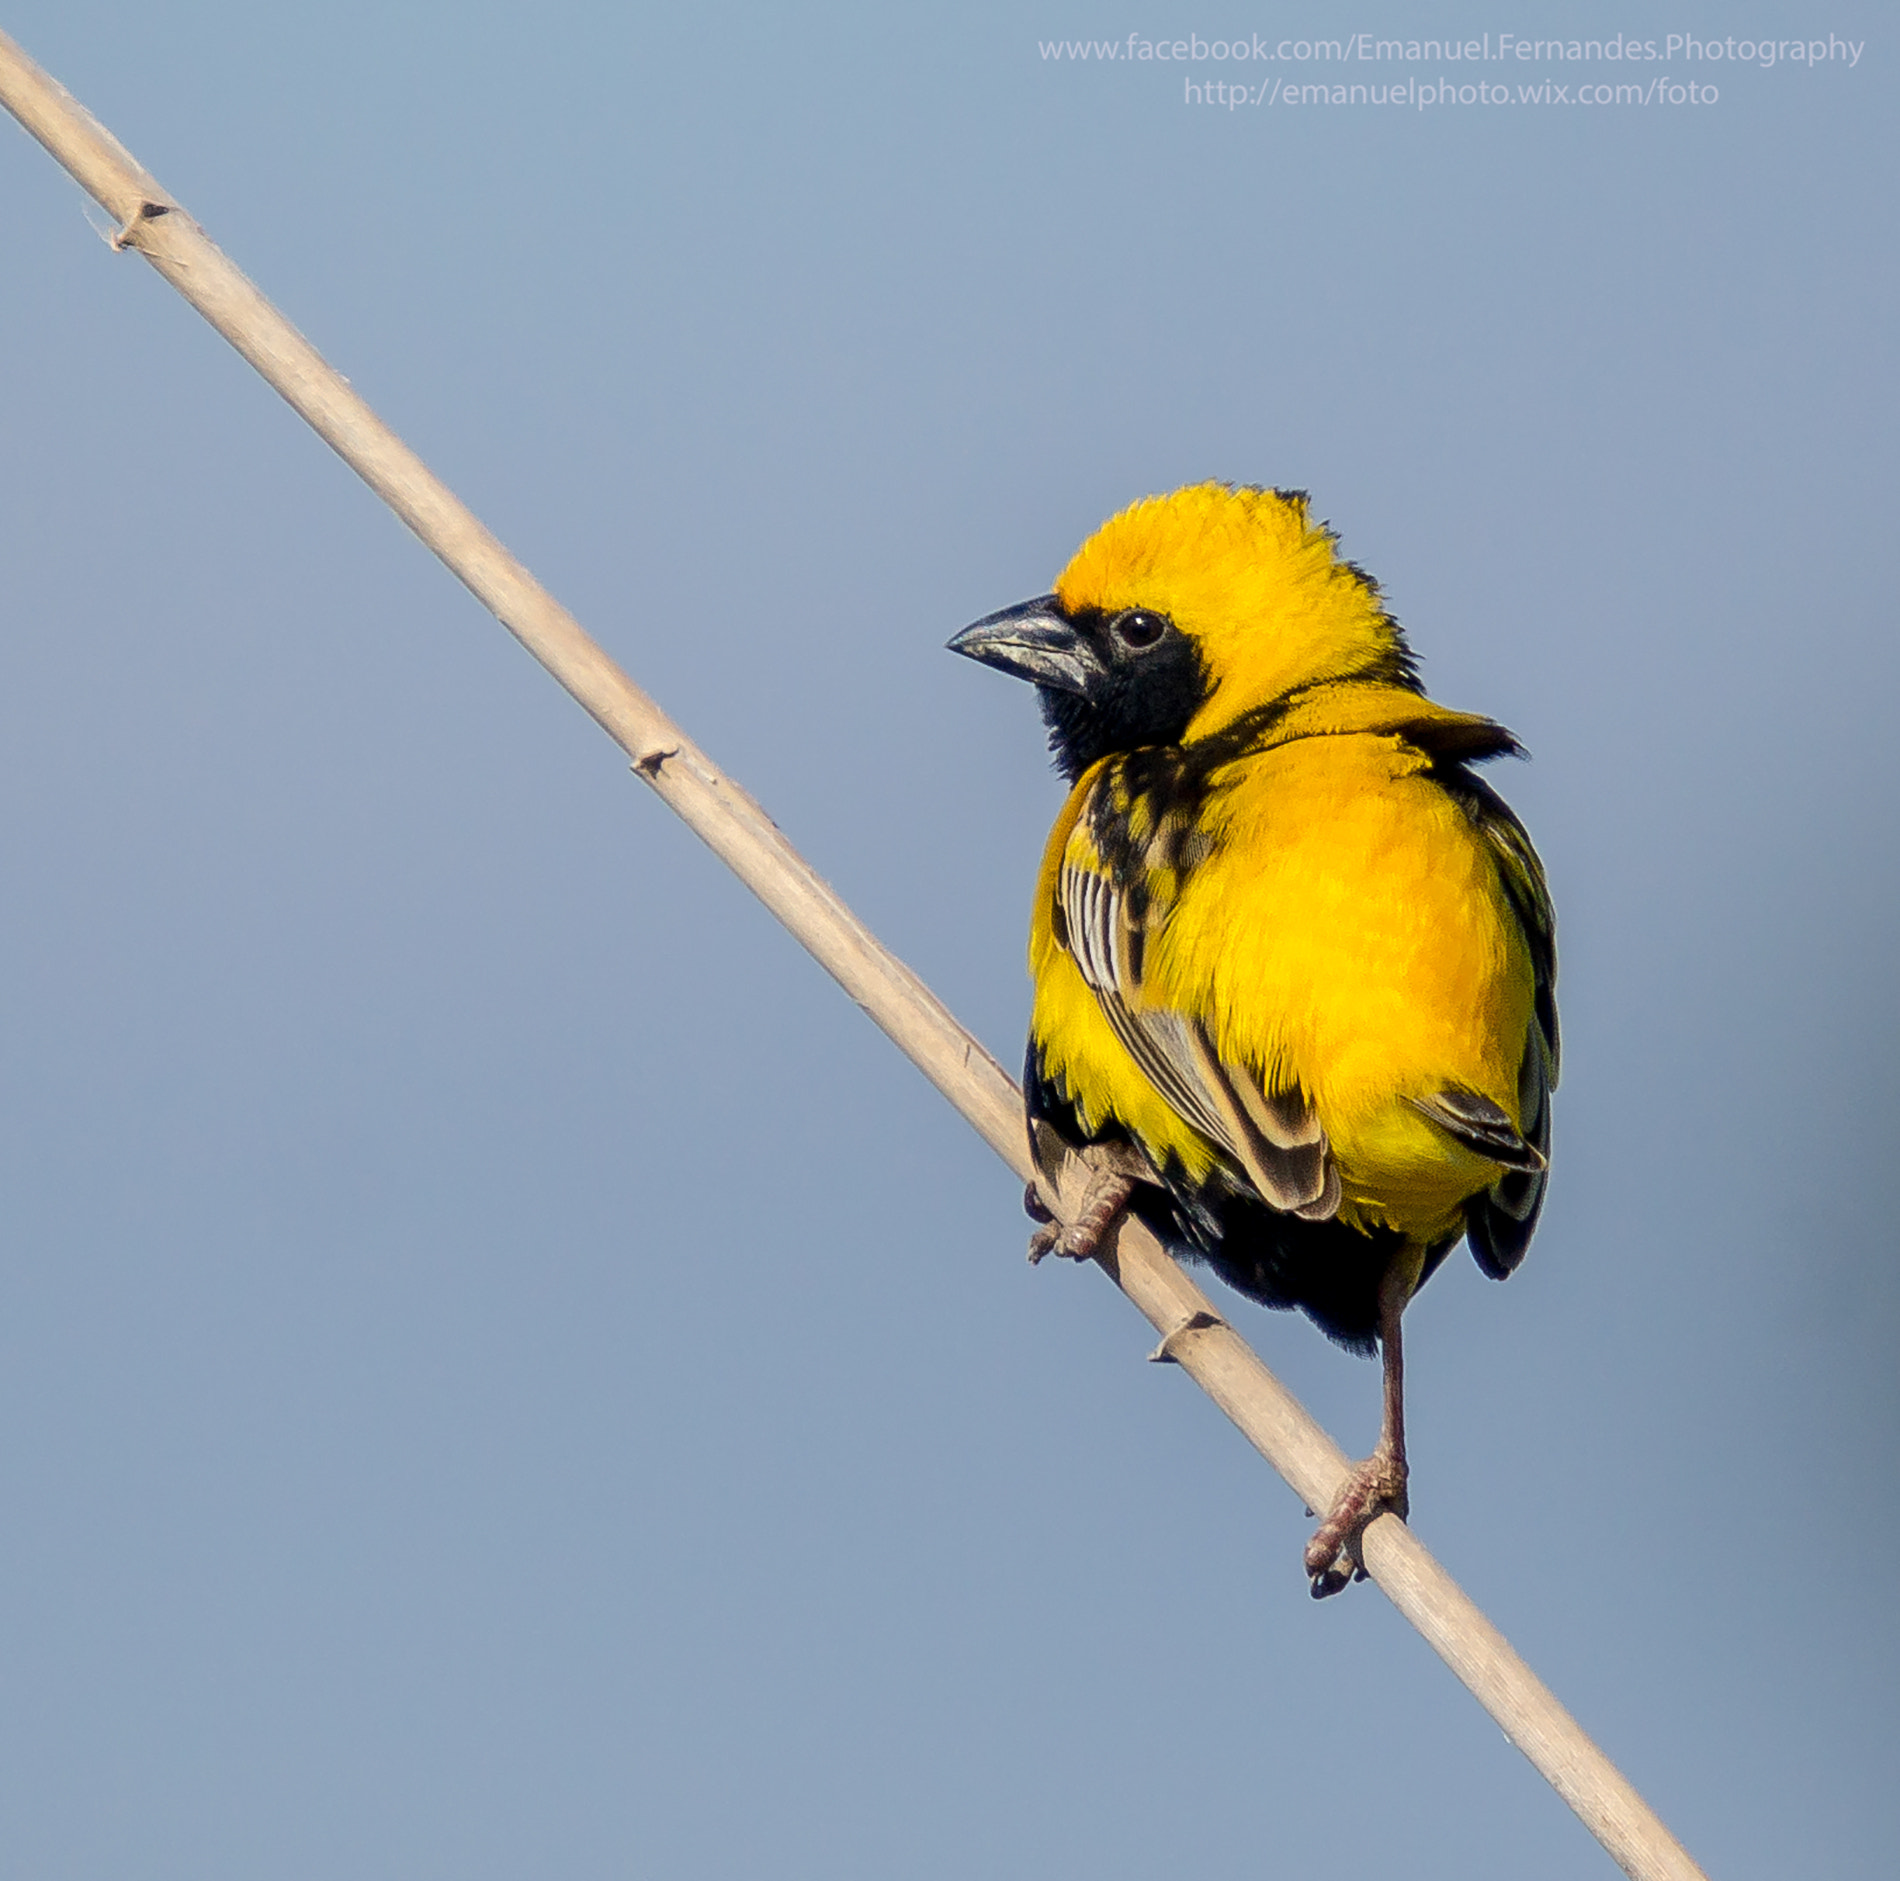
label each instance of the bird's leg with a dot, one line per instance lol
(1377, 1484)
(1113, 1172)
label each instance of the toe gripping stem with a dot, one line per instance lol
(1112, 1176)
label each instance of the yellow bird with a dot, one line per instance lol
(1294, 961)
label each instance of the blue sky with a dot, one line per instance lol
(501, 1369)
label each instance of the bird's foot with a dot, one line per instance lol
(1112, 1178)
(1375, 1486)
(1081, 1239)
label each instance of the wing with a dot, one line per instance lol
(1500, 1221)
(1108, 918)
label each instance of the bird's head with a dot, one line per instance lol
(1184, 612)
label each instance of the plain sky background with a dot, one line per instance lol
(502, 1371)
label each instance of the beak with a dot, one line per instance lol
(1035, 642)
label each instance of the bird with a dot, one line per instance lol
(1293, 961)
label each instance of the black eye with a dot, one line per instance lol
(1138, 628)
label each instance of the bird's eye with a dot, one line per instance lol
(1138, 628)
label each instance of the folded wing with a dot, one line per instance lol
(1273, 1136)
(1500, 1221)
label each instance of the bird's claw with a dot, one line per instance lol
(1075, 1242)
(1377, 1487)
(1335, 1579)
(1109, 1186)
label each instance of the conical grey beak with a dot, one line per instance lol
(1035, 642)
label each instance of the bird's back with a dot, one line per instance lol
(1325, 892)
(1348, 934)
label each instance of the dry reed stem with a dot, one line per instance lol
(745, 838)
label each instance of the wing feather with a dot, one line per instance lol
(1500, 1221)
(1157, 1038)
(1273, 1136)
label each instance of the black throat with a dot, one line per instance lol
(1136, 703)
